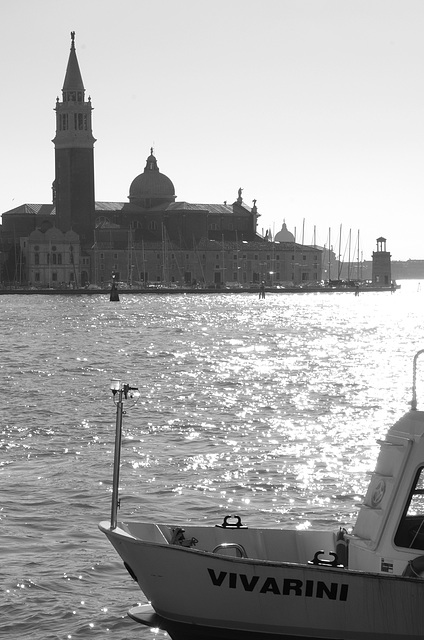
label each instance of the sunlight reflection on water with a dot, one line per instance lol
(270, 409)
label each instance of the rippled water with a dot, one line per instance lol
(266, 408)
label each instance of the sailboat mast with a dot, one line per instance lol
(348, 264)
(164, 255)
(237, 258)
(223, 259)
(358, 275)
(339, 270)
(143, 262)
(329, 254)
(129, 258)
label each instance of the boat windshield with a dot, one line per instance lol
(410, 532)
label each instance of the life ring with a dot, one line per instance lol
(415, 568)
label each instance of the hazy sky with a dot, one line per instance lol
(314, 107)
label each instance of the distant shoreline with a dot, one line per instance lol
(194, 291)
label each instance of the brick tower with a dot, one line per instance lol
(73, 188)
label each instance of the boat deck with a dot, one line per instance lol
(273, 545)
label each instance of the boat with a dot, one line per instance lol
(233, 581)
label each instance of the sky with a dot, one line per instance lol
(315, 108)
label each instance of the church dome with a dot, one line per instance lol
(284, 235)
(151, 188)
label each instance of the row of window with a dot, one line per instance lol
(54, 276)
(53, 258)
(227, 225)
(56, 258)
(154, 226)
(219, 256)
(268, 257)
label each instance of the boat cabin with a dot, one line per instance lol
(390, 525)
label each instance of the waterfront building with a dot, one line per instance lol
(208, 263)
(151, 238)
(53, 258)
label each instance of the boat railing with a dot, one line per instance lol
(231, 545)
(414, 381)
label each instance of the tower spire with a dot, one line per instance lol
(73, 86)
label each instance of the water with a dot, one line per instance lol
(266, 408)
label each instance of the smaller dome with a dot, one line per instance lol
(284, 235)
(151, 188)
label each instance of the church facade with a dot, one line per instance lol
(150, 239)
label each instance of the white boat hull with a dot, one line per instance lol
(227, 597)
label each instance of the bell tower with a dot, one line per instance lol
(73, 188)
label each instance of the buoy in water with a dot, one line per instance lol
(114, 295)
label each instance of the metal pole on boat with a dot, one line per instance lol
(414, 381)
(120, 392)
